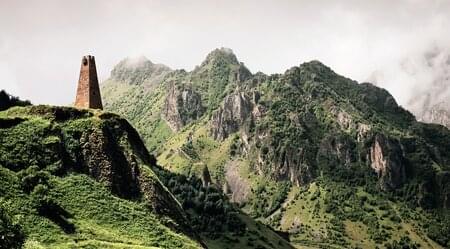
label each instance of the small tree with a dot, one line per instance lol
(7, 101)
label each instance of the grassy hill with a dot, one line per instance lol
(75, 178)
(67, 192)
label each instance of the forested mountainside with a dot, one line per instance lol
(74, 178)
(331, 162)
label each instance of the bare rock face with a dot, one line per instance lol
(237, 109)
(235, 185)
(274, 158)
(363, 131)
(343, 118)
(438, 114)
(115, 155)
(336, 151)
(118, 165)
(386, 158)
(181, 107)
(238, 113)
(291, 164)
(206, 177)
(283, 162)
(105, 161)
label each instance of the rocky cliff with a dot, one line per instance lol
(438, 114)
(386, 158)
(181, 107)
(237, 111)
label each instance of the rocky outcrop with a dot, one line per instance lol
(363, 130)
(281, 161)
(182, 106)
(343, 118)
(104, 160)
(438, 114)
(386, 159)
(206, 177)
(114, 154)
(289, 164)
(217, 75)
(236, 110)
(235, 185)
(336, 151)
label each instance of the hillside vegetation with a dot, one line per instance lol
(75, 178)
(331, 162)
(81, 179)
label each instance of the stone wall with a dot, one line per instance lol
(88, 92)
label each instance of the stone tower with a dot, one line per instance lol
(88, 93)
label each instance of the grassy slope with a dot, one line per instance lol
(101, 220)
(257, 236)
(141, 106)
(306, 215)
(94, 217)
(302, 214)
(208, 151)
(214, 154)
(316, 226)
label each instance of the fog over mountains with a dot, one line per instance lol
(424, 83)
(401, 46)
(225, 124)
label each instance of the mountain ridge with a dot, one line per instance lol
(275, 134)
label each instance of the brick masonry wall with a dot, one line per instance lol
(88, 92)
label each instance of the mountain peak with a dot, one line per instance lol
(140, 61)
(221, 54)
(135, 70)
(316, 66)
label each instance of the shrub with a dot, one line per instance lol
(7, 101)
(11, 234)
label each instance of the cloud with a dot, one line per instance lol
(391, 43)
(420, 79)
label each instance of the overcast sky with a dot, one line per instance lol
(401, 45)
